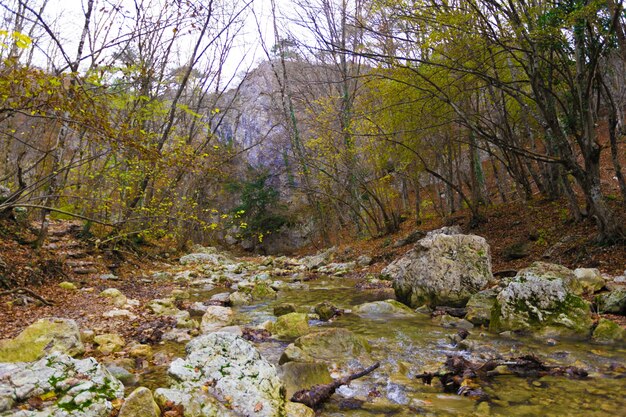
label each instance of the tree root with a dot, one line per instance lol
(31, 293)
(317, 394)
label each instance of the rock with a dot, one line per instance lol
(238, 298)
(197, 309)
(70, 286)
(337, 269)
(410, 238)
(613, 302)
(222, 298)
(205, 258)
(195, 403)
(109, 343)
(162, 276)
(364, 260)
(553, 271)
(291, 326)
(140, 351)
(326, 310)
(115, 296)
(117, 313)
(109, 277)
(163, 307)
(338, 348)
(262, 291)
(42, 338)
(480, 305)
(215, 318)
(87, 335)
(542, 304)
(180, 295)
(315, 261)
(121, 373)
(80, 388)
(298, 410)
(177, 335)
(448, 321)
(446, 230)
(237, 374)
(386, 307)
(303, 375)
(607, 331)
(236, 330)
(184, 320)
(284, 308)
(140, 403)
(590, 279)
(441, 270)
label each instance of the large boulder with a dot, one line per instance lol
(541, 303)
(41, 338)
(231, 371)
(61, 385)
(441, 269)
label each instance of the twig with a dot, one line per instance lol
(22, 290)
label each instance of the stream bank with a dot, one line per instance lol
(215, 293)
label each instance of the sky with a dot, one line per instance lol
(66, 18)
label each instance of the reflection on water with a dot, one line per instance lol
(408, 345)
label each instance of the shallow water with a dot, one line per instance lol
(408, 345)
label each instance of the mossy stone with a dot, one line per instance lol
(303, 375)
(326, 310)
(291, 326)
(41, 338)
(284, 308)
(140, 403)
(607, 331)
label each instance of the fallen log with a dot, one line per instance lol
(317, 394)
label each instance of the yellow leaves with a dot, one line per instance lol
(20, 40)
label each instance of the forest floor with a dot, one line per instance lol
(518, 234)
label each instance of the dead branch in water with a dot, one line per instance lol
(462, 376)
(318, 394)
